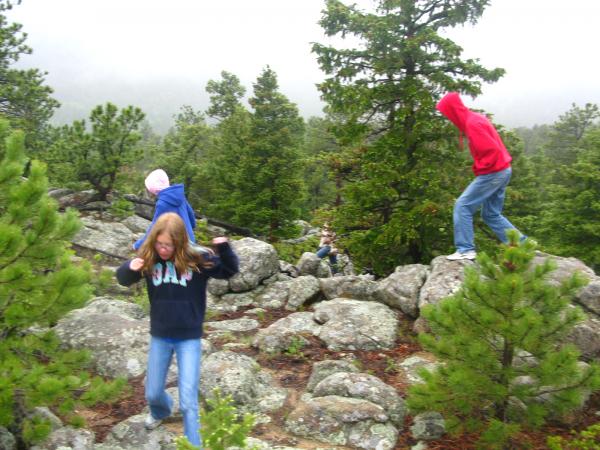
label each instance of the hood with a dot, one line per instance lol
(173, 195)
(452, 107)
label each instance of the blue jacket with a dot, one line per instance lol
(172, 199)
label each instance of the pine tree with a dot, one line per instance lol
(38, 285)
(500, 342)
(96, 157)
(184, 152)
(269, 187)
(25, 99)
(570, 222)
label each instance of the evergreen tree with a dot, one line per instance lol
(96, 157)
(25, 99)
(570, 224)
(184, 151)
(38, 285)
(225, 95)
(319, 150)
(398, 202)
(500, 342)
(269, 189)
(219, 179)
(567, 132)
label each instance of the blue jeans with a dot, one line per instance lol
(188, 352)
(326, 250)
(486, 192)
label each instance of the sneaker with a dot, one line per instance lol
(151, 423)
(471, 254)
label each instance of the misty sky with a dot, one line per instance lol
(159, 55)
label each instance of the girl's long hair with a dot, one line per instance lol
(183, 257)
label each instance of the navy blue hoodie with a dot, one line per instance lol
(172, 199)
(178, 303)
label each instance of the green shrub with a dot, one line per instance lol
(588, 439)
(222, 425)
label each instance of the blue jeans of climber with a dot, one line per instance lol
(486, 192)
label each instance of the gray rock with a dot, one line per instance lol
(273, 296)
(132, 434)
(258, 261)
(7, 440)
(565, 268)
(428, 426)
(311, 264)
(107, 305)
(138, 225)
(290, 269)
(586, 336)
(301, 290)
(366, 387)
(411, 366)
(230, 302)
(357, 287)
(236, 325)
(343, 421)
(278, 336)
(44, 413)
(401, 289)
(445, 279)
(112, 238)
(118, 343)
(322, 369)
(218, 287)
(589, 297)
(251, 388)
(73, 438)
(68, 198)
(356, 325)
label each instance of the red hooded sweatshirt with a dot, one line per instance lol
(488, 150)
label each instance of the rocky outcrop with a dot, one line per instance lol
(340, 404)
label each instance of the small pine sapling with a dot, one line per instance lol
(500, 340)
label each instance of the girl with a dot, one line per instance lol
(176, 278)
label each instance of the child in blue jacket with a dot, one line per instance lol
(169, 199)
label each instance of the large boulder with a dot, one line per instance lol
(565, 267)
(589, 297)
(311, 264)
(356, 423)
(445, 279)
(279, 335)
(349, 324)
(358, 287)
(115, 332)
(112, 238)
(301, 290)
(366, 387)
(401, 289)
(258, 261)
(251, 388)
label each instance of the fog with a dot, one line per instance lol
(160, 55)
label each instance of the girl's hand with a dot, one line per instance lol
(219, 240)
(136, 264)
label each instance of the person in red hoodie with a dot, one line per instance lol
(491, 165)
